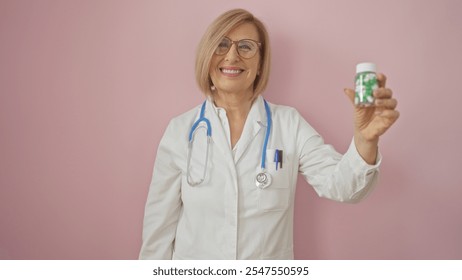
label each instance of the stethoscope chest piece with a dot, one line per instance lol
(263, 180)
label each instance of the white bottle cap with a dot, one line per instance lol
(366, 67)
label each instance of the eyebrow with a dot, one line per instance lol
(256, 40)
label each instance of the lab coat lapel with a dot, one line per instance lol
(256, 121)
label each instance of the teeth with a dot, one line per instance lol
(231, 71)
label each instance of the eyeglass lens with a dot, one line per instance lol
(245, 48)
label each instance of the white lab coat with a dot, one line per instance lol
(227, 216)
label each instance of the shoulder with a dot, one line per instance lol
(178, 128)
(185, 119)
(290, 118)
(285, 112)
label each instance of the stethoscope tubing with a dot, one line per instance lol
(268, 131)
(202, 118)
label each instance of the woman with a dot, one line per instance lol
(230, 195)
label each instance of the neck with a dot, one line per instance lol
(237, 105)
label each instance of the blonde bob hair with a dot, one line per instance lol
(213, 36)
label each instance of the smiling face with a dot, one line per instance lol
(230, 73)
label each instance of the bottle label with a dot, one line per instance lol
(366, 83)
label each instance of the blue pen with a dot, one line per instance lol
(276, 158)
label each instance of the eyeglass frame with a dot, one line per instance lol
(259, 44)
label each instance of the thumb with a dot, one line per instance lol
(350, 94)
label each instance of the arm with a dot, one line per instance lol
(345, 178)
(163, 204)
(351, 176)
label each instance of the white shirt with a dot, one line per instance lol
(227, 216)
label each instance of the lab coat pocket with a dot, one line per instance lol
(276, 196)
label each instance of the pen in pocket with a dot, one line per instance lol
(278, 156)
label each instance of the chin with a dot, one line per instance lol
(232, 89)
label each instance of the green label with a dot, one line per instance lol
(366, 83)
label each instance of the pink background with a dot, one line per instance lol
(87, 89)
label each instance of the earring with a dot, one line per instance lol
(212, 88)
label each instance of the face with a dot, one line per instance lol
(230, 73)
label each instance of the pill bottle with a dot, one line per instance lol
(366, 83)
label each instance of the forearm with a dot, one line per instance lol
(345, 178)
(367, 149)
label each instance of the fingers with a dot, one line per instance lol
(389, 103)
(385, 104)
(383, 96)
(381, 79)
(382, 93)
(350, 94)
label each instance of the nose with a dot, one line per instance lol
(232, 54)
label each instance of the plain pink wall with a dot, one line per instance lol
(87, 88)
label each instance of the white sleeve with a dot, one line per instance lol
(345, 178)
(163, 204)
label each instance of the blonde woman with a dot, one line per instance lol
(224, 178)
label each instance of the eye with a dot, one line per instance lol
(224, 44)
(246, 46)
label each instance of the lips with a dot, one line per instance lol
(231, 71)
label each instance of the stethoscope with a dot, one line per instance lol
(262, 179)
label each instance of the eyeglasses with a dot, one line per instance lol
(246, 48)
